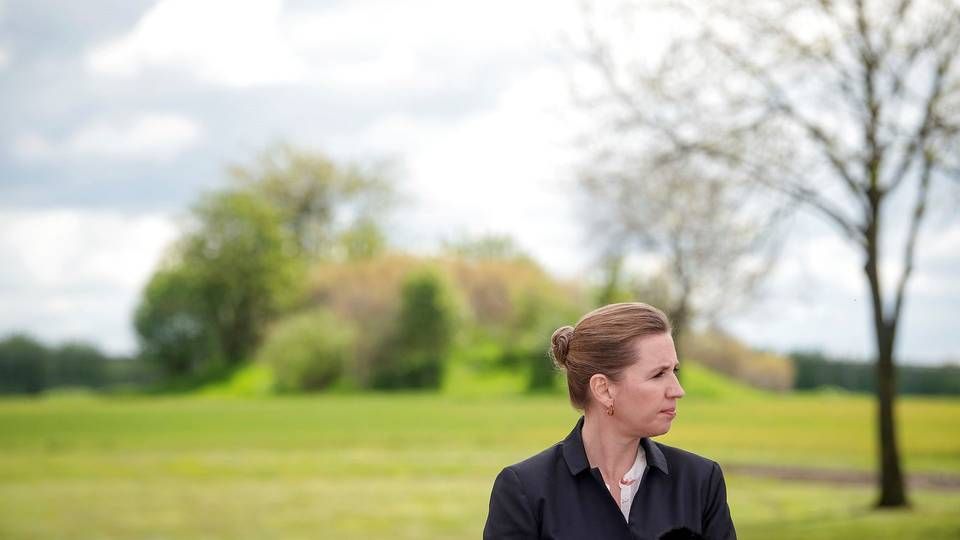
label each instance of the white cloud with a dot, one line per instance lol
(495, 171)
(421, 44)
(4, 57)
(375, 45)
(237, 43)
(31, 146)
(936, 261)
(941, 243)
(827, 261)
(150, 137)
(77, 275)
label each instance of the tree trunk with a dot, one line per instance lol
(892, 492)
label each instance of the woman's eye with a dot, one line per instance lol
(661, 373)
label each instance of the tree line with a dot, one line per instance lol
(28, 366)
(314, 350)
(817, 370)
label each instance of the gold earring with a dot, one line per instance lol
(610, 410)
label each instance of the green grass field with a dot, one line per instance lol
(421, 466)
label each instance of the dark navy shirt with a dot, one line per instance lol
(557, 495)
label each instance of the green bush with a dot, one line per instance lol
(308, 351)
(413, 356)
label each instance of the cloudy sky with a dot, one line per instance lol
(118, 113)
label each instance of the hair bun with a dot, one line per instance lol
(561, 345)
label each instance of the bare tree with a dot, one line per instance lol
(850, 108)
(708, 246)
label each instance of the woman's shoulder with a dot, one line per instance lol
(539, 463)
(682, 461)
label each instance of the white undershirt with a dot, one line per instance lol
(630, 483)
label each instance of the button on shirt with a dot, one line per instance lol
(630, 482)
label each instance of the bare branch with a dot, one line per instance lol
(896, 18)
(811, 198)
(781, 103)
(599, 57)
(794, 189)
(930, 120)
(916, 218)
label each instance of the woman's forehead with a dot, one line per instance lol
(651, 351)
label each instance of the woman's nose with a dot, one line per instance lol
(676, 390)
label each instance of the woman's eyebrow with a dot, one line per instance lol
(665, 365)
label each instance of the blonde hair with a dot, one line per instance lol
(602, 342)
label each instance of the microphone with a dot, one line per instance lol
(681, 533)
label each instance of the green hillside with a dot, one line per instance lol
(701, 382)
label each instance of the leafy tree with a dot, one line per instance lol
(363, 240)
(330, 209)
(490, 247)
(211, 300)
(242, 260)
(847, 108)
(23, 365)
(171, 322)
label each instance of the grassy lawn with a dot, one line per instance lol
(419, 466)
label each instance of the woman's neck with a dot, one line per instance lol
(608, 449)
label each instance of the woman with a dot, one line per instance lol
(607, 479)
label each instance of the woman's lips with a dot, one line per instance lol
(669, 412)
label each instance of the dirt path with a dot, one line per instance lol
(935, 481)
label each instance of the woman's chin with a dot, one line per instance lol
(653, 428)
(661, 429)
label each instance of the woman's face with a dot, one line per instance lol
(645, 397)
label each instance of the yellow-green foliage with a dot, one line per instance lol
(725, 354)
(494, 292)
(512, 302)
(308, 351)
(365, 292)
(502, 293)
(364, 289)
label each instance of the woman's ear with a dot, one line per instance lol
(602, 390)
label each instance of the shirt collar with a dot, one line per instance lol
(639, 464)
(576, 456)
